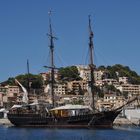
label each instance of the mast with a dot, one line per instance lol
(51, 46)
(28, 74)
(91, 64)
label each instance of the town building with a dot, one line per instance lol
(123, 80)
(3, 91)
(77, 87)
(110, 81)
(46, 75)
(130, 89)
(110, 98)
(9, 95)
(99, 75)
(84, 72)
(60, 88)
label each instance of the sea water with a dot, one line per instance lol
(119, 133)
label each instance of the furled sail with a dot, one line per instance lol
(25, 93)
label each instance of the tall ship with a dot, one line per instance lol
(67, 116)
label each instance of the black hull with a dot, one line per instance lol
(101, 119)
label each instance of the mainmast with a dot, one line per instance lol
(51, 46)
(91, 64)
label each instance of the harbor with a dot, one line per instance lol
(69, 70)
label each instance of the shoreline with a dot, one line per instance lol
(126, 122)
(5, 121)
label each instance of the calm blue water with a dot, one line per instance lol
(13, 133)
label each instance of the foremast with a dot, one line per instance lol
(91, 64)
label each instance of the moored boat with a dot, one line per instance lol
(64, 116)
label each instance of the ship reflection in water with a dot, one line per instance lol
(8, 133)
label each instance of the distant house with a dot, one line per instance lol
(110, 98)
(9, 95)
(123, 80)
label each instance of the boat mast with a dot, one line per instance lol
(28, 76)
(91, 64)
(51, 46)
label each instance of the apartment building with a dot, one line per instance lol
(77, 87)
(46, 75)
(84, 71)
(110, 98)
(110, 81)
(9, 95)
(129, 88)
(12, 90)
(60, 89)
(99, 75)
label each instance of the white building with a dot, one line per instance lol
(98, 75)
(84, 71)
(124, 80)
(110, 98)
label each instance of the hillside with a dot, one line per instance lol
(71, 73)
(118, 70)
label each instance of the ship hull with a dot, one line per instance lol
(101, 119)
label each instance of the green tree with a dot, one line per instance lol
(98, 91)
(69, 73)
(10, 81)
(101, 68)
(35, 81)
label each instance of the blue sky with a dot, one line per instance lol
(24, 24)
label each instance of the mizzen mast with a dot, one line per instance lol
(28, 76)
(91, 64)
